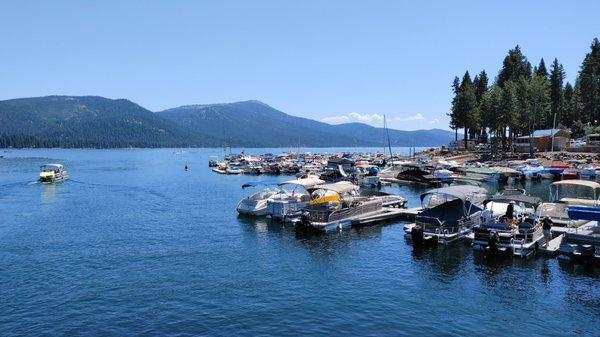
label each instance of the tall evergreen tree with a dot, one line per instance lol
(514, 66)
(508, 108)
(539, 103)
(541, 69)
(490, 109)
(588, 84)
(465, 107)
(569, 112)
(557, 77)
(454, 121)
(480, 87)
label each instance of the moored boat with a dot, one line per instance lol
(287, 205)
(256, 203)
(448, 215)
(334, 207)
(497, 235)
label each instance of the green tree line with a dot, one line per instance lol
(522, 99)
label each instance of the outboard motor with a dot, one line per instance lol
(304, 219)
(493, 241)
(416, 234)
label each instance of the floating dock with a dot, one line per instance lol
(387, 214)
(553, 246)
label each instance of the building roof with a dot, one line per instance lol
(543, 133)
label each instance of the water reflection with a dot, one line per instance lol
(446, 263)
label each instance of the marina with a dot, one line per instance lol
(341, 190)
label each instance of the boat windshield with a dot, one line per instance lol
(433, 200)
(264, 194)
(320, 193)
(571, 192)
(50, 168)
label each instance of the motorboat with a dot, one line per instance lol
(443, 175)
(256, 203)
(289, 204)
(506, 173)
(496, 235)
(221, 168)
(213, 161)
(565, 193)
(576, 192)
(415, 173)
(582, 244)
(394, 167)
(334, 206)
(570, 173)
(52, 173)
(449, 214)
(483, 174)
(366, 175)
(587, 172)
(232, 169)
(533, 172)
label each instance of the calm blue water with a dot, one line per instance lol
(132, 244)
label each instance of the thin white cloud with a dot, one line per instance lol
(415, 117)
(433, 121)
(353, 117)
(336, 119)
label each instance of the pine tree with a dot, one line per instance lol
(514, 66)
(588, 84)
(508, 108)
(557, 77)
(466, 106)
(541, 69)
(454, 122)
(480, 87)
(569, 112)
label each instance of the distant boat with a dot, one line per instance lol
(52, 173)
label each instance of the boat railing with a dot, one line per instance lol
(367, 207)
(336, 215)
(435, 225)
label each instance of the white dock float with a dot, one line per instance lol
(553, 246)
(388, 213)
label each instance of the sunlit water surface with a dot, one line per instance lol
(133, 244)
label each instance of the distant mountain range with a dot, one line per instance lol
(91, 121)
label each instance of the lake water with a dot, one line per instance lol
(133, 244)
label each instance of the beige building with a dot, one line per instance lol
(542, 141)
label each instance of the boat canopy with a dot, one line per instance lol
(339, 187)
(260, 183)
(51, 167)
(449, 213)
(587, 183)
(505, 170)
(306, 182)
(518, 198)
(462, 192)
(481, 170)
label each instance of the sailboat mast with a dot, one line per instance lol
(387, 134)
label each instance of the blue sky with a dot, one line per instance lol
(335, 61)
